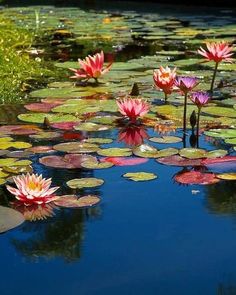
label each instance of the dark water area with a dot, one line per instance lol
(148, 237)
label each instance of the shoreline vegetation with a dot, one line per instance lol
(21, 68)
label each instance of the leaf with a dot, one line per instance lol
(220, 111)
(166, 139)
(91, 127)
(222, 160)
(72, 201)
(140, 176)
(39, 118)
(71, 161)
(79, 183)
(192, 153)
(123, 161)
(196, 177)
(44, 135)
(95, 164)
(40, 107)
(9, 219)
(115, 152)
(221, 133)
(147, 151)
(76, 147)
(227, 176)
(99, 140)
(177, 160)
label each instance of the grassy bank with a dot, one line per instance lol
(19, 69)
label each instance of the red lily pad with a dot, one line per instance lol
(72, 201)
(41, 149)
(196, 177)
(73, 135)
(19, 129)
(222, 160)
(64, 125)
(177, 160)
(40, 107)
(69, 161)
(124, 161)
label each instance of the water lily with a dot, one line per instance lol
(199, 98)
(217, 52)
(133, 135)
(133, 108)
(91, 67)
(33, 189)
(186, 84)
(164, 79)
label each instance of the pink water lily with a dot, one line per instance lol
(164, 79)
(217, 52)
(91, 67)
(200, 98)
(33, 189)
(133, 135)
(133, 108)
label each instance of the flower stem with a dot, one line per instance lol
(198, 124)
(213, 78)
(185, 112)
(166, 97)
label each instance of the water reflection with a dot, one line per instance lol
(61, 237)
(133, 135)
(226, 289)
(221, 197)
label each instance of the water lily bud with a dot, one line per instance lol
(193, 119)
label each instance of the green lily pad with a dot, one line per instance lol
(115, 152)
(9, 219)
(166, 139)
(40, 117)
(140, 176)
(216, 153)
(220, 111)
(221, 133)
(99, 140)
(91, 127)
(192, 153)
(76, 147)
(79, 183)
(46, 135)
(95, 164)
(145, 151)
(230, 141)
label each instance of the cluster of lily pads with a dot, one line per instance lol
(74, 117)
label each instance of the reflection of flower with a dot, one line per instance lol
(133, 135)
(91, 67)
(133, 107)
(33, 189)
(165, 127)
(217, 51)
(164, 79)
(35, 211)
(185, 83)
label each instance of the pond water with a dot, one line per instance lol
(164, 236)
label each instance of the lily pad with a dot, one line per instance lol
(192, 153)
(115, 152)
(220, 111)
(93, 163)
(40, 117)
(76, 147)
(166, 139)
(177, 160)
(88, 126)
(9, 219)
(227, 176)
(196, 177)
(79, 183)
(124, 161)
(72, 201)
(140, 176)
(99, 140)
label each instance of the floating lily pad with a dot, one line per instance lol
(140, 176)
(40, 149)
(76, 147)
(177, 160)
(88, 126)
(9, 219)
(93, 163)
(196, 177)
(19, 129)
(220, 111)
(166, 139)
(216, 153)
(230, 141)
(222, 160)
(221, 133)
(71, 161)
(72, 201)
(227, 176)
(147, 151)
(79, 183)
(99, 140)
(40, 117)
(19, 154)
(40, 107)
(115, 152)
(192, 153)
(45, 135)
(123, 161)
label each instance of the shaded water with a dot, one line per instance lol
(153, 237)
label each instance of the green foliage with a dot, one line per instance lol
(18, 70)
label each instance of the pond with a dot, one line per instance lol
(145, 206)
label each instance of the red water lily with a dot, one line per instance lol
(217, 51)
(91, 67)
